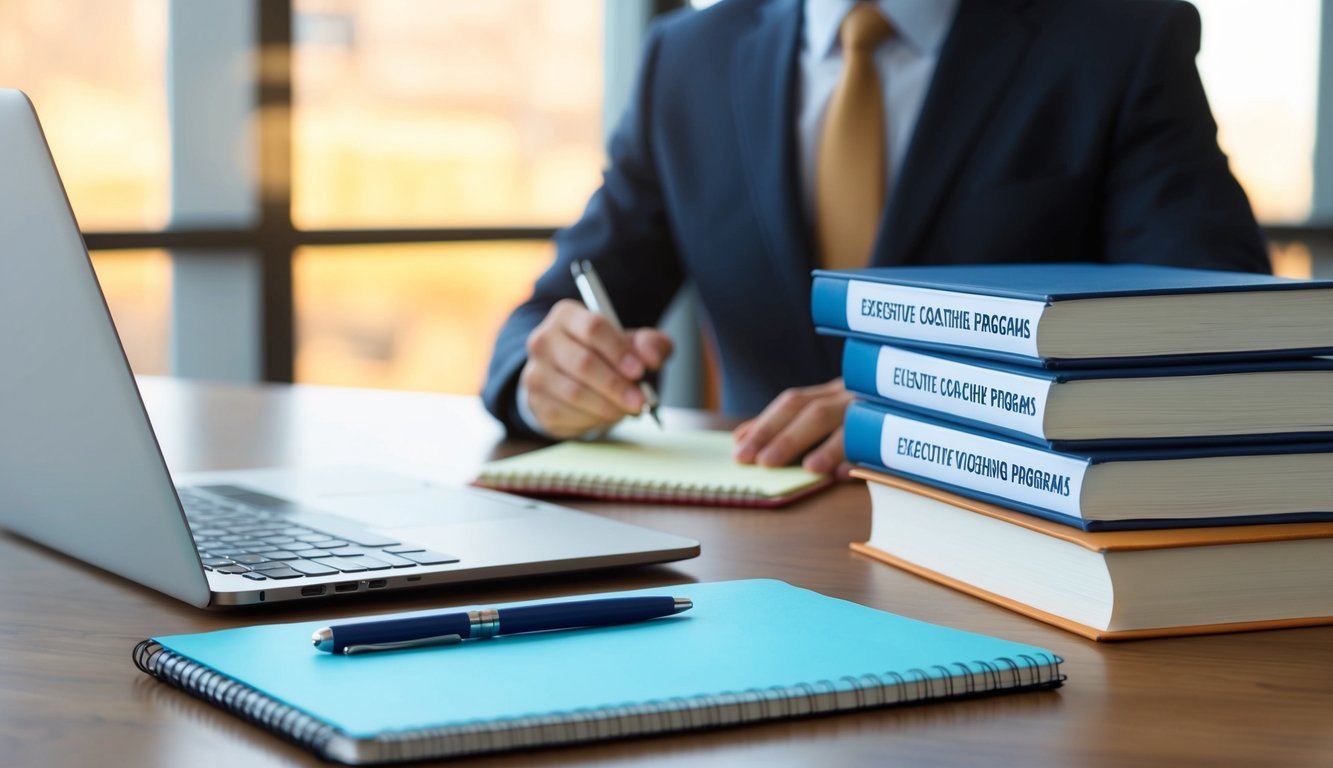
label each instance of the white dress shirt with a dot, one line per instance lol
(906, 64)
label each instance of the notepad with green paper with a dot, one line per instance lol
(675, 466)
(747, 651)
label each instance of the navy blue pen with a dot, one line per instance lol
(449, 628)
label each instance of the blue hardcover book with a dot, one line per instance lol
(1079, 315)
(747, 651)
(1102, 489)
(1088, 408)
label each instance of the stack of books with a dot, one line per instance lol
(1123, 451)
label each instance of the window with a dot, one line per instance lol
(446, 113)
(1260, 63)
(430, 114)
(137, 285)
(433, 146)
(419, 316)
(96, 73)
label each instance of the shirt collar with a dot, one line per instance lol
(922, 24)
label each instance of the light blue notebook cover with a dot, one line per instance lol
(748, 650)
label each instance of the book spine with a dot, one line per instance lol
(961, 459)
(1004, 400)
(927, 316)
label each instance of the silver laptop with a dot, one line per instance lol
(81, 471)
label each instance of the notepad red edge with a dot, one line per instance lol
(679, 499)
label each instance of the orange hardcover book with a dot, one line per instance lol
(1115, 585)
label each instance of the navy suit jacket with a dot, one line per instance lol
(1053, 130)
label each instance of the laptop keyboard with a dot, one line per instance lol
(250, 534)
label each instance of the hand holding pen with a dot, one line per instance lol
(598, 302)
(584, 371)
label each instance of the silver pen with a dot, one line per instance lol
(594, 297)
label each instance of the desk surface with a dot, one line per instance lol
(69, 694)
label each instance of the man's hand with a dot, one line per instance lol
(583, 374)
(796, 422)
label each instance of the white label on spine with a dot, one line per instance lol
(944, 317)
(983, 464)
(1004, 399)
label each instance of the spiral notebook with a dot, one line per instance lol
(638, 464)
(747, 651)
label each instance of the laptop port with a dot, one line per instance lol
(312, 591)
(378, 583)
(348, 586)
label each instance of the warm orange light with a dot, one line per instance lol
(424, 113)
(1292, 260)
(408, 316)
(137, 285)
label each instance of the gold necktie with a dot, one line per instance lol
(849, 173)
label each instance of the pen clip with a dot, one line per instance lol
(421, 642)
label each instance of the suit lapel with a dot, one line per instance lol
(986, 43)
(763, 87)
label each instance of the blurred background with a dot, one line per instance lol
(357, 192)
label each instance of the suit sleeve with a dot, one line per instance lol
(1170, 196)
(624, 231)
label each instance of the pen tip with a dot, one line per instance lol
(653, 412)
(683, 604)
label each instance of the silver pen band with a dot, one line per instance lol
(484, 623)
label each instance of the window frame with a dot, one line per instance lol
(272, 238)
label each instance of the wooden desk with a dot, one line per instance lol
(69, 694)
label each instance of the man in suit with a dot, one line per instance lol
(765, 139)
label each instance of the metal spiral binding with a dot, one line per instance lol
(233, 696)
(595, 485)
(870, 690)
(958, 680)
